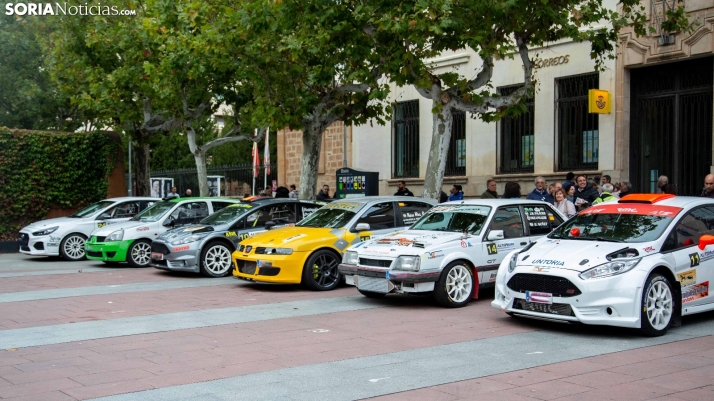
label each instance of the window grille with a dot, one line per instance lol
(456, 158)
(578, 143)
(405, 153)
(517, 137)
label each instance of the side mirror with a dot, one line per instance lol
(495, 235)
(270, 224)
(104, 216)
(169, 223)
(705, 240)
(362, 227)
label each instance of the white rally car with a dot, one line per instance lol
(452, 250)
(65, 236)
(642, 262)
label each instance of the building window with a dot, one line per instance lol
(517, 139)
(456, 158)
(578, 145)
(405, 156)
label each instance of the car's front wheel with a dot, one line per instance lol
(320, 272)
(72, 247)
(657, 306)
(216, 260)
(139, 254)
(455, 285)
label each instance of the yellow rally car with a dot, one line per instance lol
(310, 251)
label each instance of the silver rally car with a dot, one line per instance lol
(206, 247)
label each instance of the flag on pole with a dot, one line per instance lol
(256, 157)
(266, 153)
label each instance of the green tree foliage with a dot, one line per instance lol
(40, 170)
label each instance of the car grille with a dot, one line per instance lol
(558, 286)
(374, 262)
(554, 309)
(94, 254)
(159, 262)
(99, 239)
(24, 239)
(40, 246)
(159, 248)
(246, 267)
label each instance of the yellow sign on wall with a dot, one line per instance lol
(599, 101)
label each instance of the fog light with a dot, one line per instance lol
(608, 310)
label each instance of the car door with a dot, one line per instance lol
(694, 267)
(411, 211)
(380, 217)
(508, 219)
(540, 220)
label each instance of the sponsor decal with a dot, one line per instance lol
(696, 291)
(506, 246)
(377, 252)
(102, 224)
(241, 205)
(53, 244)
(359, 244)
(694, 259)
(189, 229)
(491, 261)
(365, 237)
(442, 209)
(553, 241)
(394, 241)
(687, 278)
(649, 249)
(704, 256)
(551, 262)
(492, 278)
(342, 205)
(541, 269)
(645, 210)
(250, 234)
(539, 297)
(627, 210)
(433, 255)
(142, 229)
(293, 238)
(492, 249)
(180, 248)
(231, 234)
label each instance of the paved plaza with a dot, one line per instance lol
(86, 330)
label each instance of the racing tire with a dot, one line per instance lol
(455, 285)
(371, 294)
(139, 253)
(72, 247)
(216, 260)
(658, 306)
(320, 272)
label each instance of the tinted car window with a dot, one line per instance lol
(412, 211)
(258, 218)
(220, 205)
(509, 220)
(189, 212)
(306, 210)
(692, 226)
(460, 218)
(541, 219)
(379, 216)
(123, 210)
(282, 213)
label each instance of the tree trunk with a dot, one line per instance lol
(199, 155)
(439, 149)
(141, 155)
(311, 146)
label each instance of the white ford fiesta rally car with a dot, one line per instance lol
(65, 236)
(452, 250)
(641, 262)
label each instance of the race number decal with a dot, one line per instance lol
(100, 225)
(694, 259)
(231, 234)
(492, 249)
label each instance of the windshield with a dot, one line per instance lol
(227, 214)
(613, 227)
(328, 218)
(93, 208)
(154, 212)
(467, 218)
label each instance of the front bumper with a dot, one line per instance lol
(114, 251)
(182, 258)
(44, 245)
(611, 301)
(402, 281)
(284, 269)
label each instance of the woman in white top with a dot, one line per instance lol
(563, 204)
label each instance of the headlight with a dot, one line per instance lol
(350, 258)
(407, 263)
(46, 231)
(188, 240)
(615, 267)
(115, 236)
(274, 251)
(513, 262)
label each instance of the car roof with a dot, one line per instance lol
(368, 199)
(495, 202)
(218, 198)
(126, 198)
(685, 202)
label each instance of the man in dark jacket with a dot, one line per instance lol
(585, 194)
(324, 194)
(402, 189)
(490, 192)
(540, 193)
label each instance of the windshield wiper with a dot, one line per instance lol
(597, 239)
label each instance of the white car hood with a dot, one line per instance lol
(409, 242)
(110, 228)
(54, 222)
(578, 255)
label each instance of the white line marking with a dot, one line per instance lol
(531, 353)
(376, 380)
